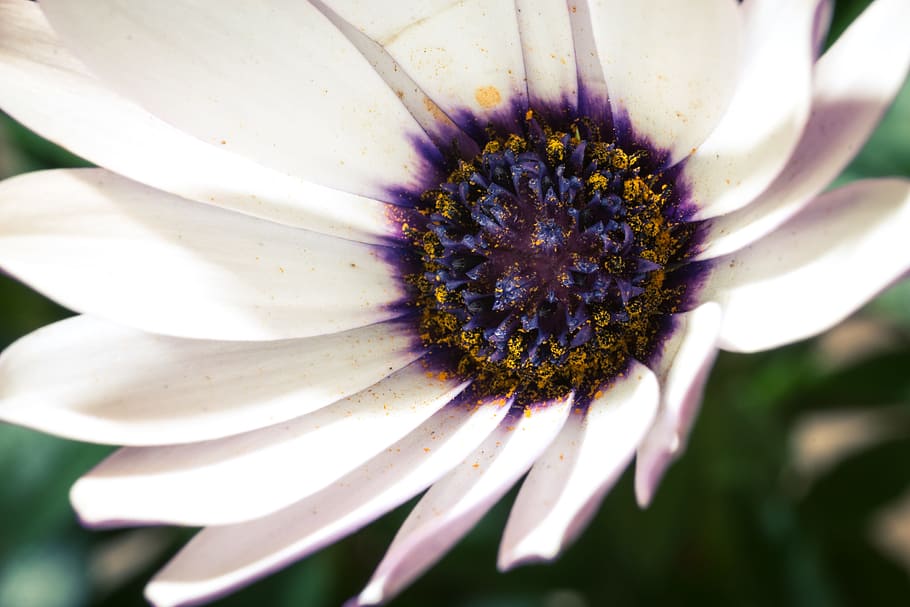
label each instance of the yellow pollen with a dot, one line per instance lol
(556, 150)
(516, 144)
(615, 332)
(598, 182)
(492, 146)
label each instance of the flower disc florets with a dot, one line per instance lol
(545, 260)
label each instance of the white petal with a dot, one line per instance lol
(90, 380)
(769, 109)
(816, 269)
(221, 559)
(98, 243)
(682, 369)
(250, 475)
(394, 18)
(565, 487)
(822, 25)
(848, 99)
(466, 56)
(549, 54)
(50, 91)
(441, 129)
(455, 504)
(671, 67)
(592, 85)
(273, 81)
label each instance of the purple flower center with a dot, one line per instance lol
(547, 260)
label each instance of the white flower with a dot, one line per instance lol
(246, 331)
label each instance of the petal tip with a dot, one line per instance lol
(643, 496)
(161, 594)
(81, 501)
(373, 594)
(648, 471)
(538, 546)
(89, 508)
(520, 556)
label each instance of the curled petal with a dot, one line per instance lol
(848, 99)
(455, 504)
(251, 475)
(816, 269)
(567, 483)
(221, 559)
(682, 369)
(769, 109)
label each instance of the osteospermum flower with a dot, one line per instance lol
(339, 253)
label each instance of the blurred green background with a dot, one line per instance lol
(794, 490)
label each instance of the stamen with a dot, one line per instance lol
(545, 260)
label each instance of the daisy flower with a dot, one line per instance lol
(337, 254)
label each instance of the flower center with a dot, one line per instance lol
(545, 260)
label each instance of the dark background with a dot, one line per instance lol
(794, 490)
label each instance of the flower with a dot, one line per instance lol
(339, 255)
